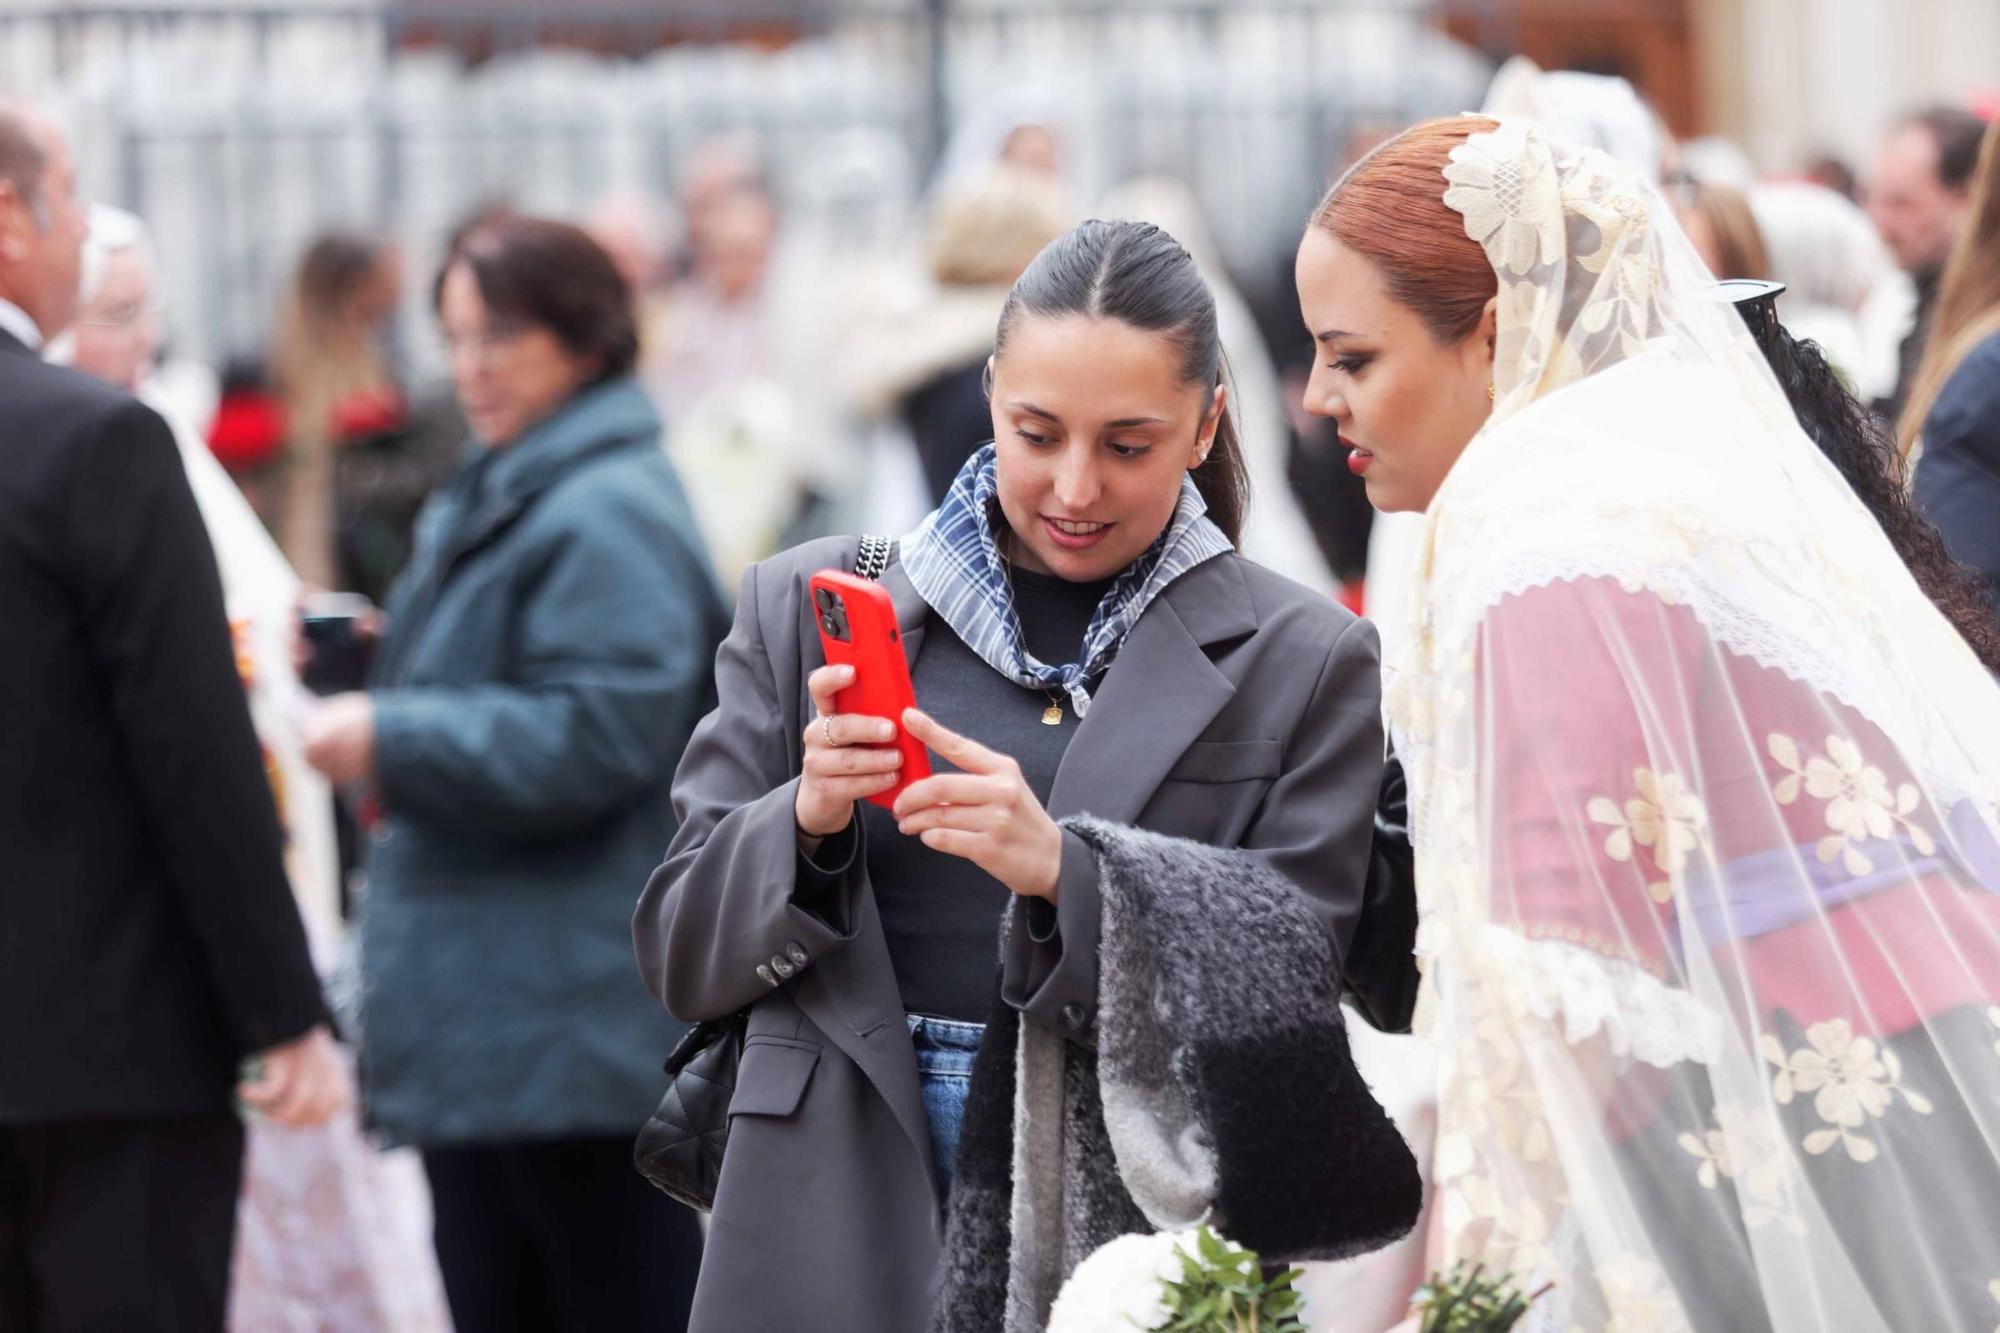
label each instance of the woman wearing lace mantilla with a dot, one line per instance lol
(1703, 786)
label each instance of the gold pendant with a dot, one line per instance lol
(1052, 715)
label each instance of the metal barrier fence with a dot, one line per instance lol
(239, 131)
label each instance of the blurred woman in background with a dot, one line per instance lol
(1950, 425)
(334, 383)
(1718, 221)
(546, 654)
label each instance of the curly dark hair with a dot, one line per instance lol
(1857, 442)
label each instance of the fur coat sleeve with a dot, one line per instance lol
(1221, 1091)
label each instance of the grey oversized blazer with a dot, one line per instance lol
(1243, 711)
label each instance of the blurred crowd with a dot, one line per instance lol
(817, 382)
(798, 384)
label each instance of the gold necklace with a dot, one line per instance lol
(1052, 716)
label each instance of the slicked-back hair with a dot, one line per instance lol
(1137, 274)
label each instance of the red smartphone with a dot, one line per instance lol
(857, 628)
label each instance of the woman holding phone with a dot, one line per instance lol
(1083, 639)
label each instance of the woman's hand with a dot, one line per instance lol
(842, 765)
(985, 814)
(338, 735)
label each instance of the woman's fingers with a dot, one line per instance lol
(946, 788)
(846, 791)
(848, 729)
(951, 841)
(962, 752)
(826, 682)
(851, 760)
(965, 818)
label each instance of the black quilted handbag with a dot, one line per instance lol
(681, 1146)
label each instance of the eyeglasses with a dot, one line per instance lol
(484, 342)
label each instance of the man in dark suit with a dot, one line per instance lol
(148, 940)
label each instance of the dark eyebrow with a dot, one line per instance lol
(1033, 411)
(1123, 423)
(1330, 334)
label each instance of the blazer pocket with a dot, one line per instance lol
(772, 1077)
(1227, 761)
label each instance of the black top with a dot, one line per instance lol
(941, 914)
(149, 939)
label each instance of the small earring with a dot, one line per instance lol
(1489, 392)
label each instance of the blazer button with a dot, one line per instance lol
(1072, 1016)
(783, 967)
(764, 972)
(798, 954)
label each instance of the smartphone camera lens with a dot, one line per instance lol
(824, 599)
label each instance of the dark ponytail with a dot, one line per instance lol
(1137, 274)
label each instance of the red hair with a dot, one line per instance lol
(1390, 208)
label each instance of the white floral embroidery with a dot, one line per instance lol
(1622, 299)
(1747, 1147)
(1859, 802)
(1499, 183)
(1853, 1081)
(1619, 216)
(1666, 816)
(1638, 1297)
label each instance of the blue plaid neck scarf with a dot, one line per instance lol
(954, 560)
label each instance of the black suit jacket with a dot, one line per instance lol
(148, 938)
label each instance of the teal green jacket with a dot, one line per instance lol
(549, 649)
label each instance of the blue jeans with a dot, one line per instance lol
(944, 1066)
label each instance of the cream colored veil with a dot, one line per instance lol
(1705, 816)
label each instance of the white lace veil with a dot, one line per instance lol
(1705, 819)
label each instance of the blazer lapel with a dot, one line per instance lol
(1159, 695)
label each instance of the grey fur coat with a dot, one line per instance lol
(1220, 1091)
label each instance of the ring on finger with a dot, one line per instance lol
(826, 730)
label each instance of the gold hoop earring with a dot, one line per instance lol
(1489, 393)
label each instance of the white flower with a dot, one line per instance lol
(1747, 1146)
(1853, 1079)
(1120, 1285)
(1860, 804)
(1666, 817)
(1501, 183)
